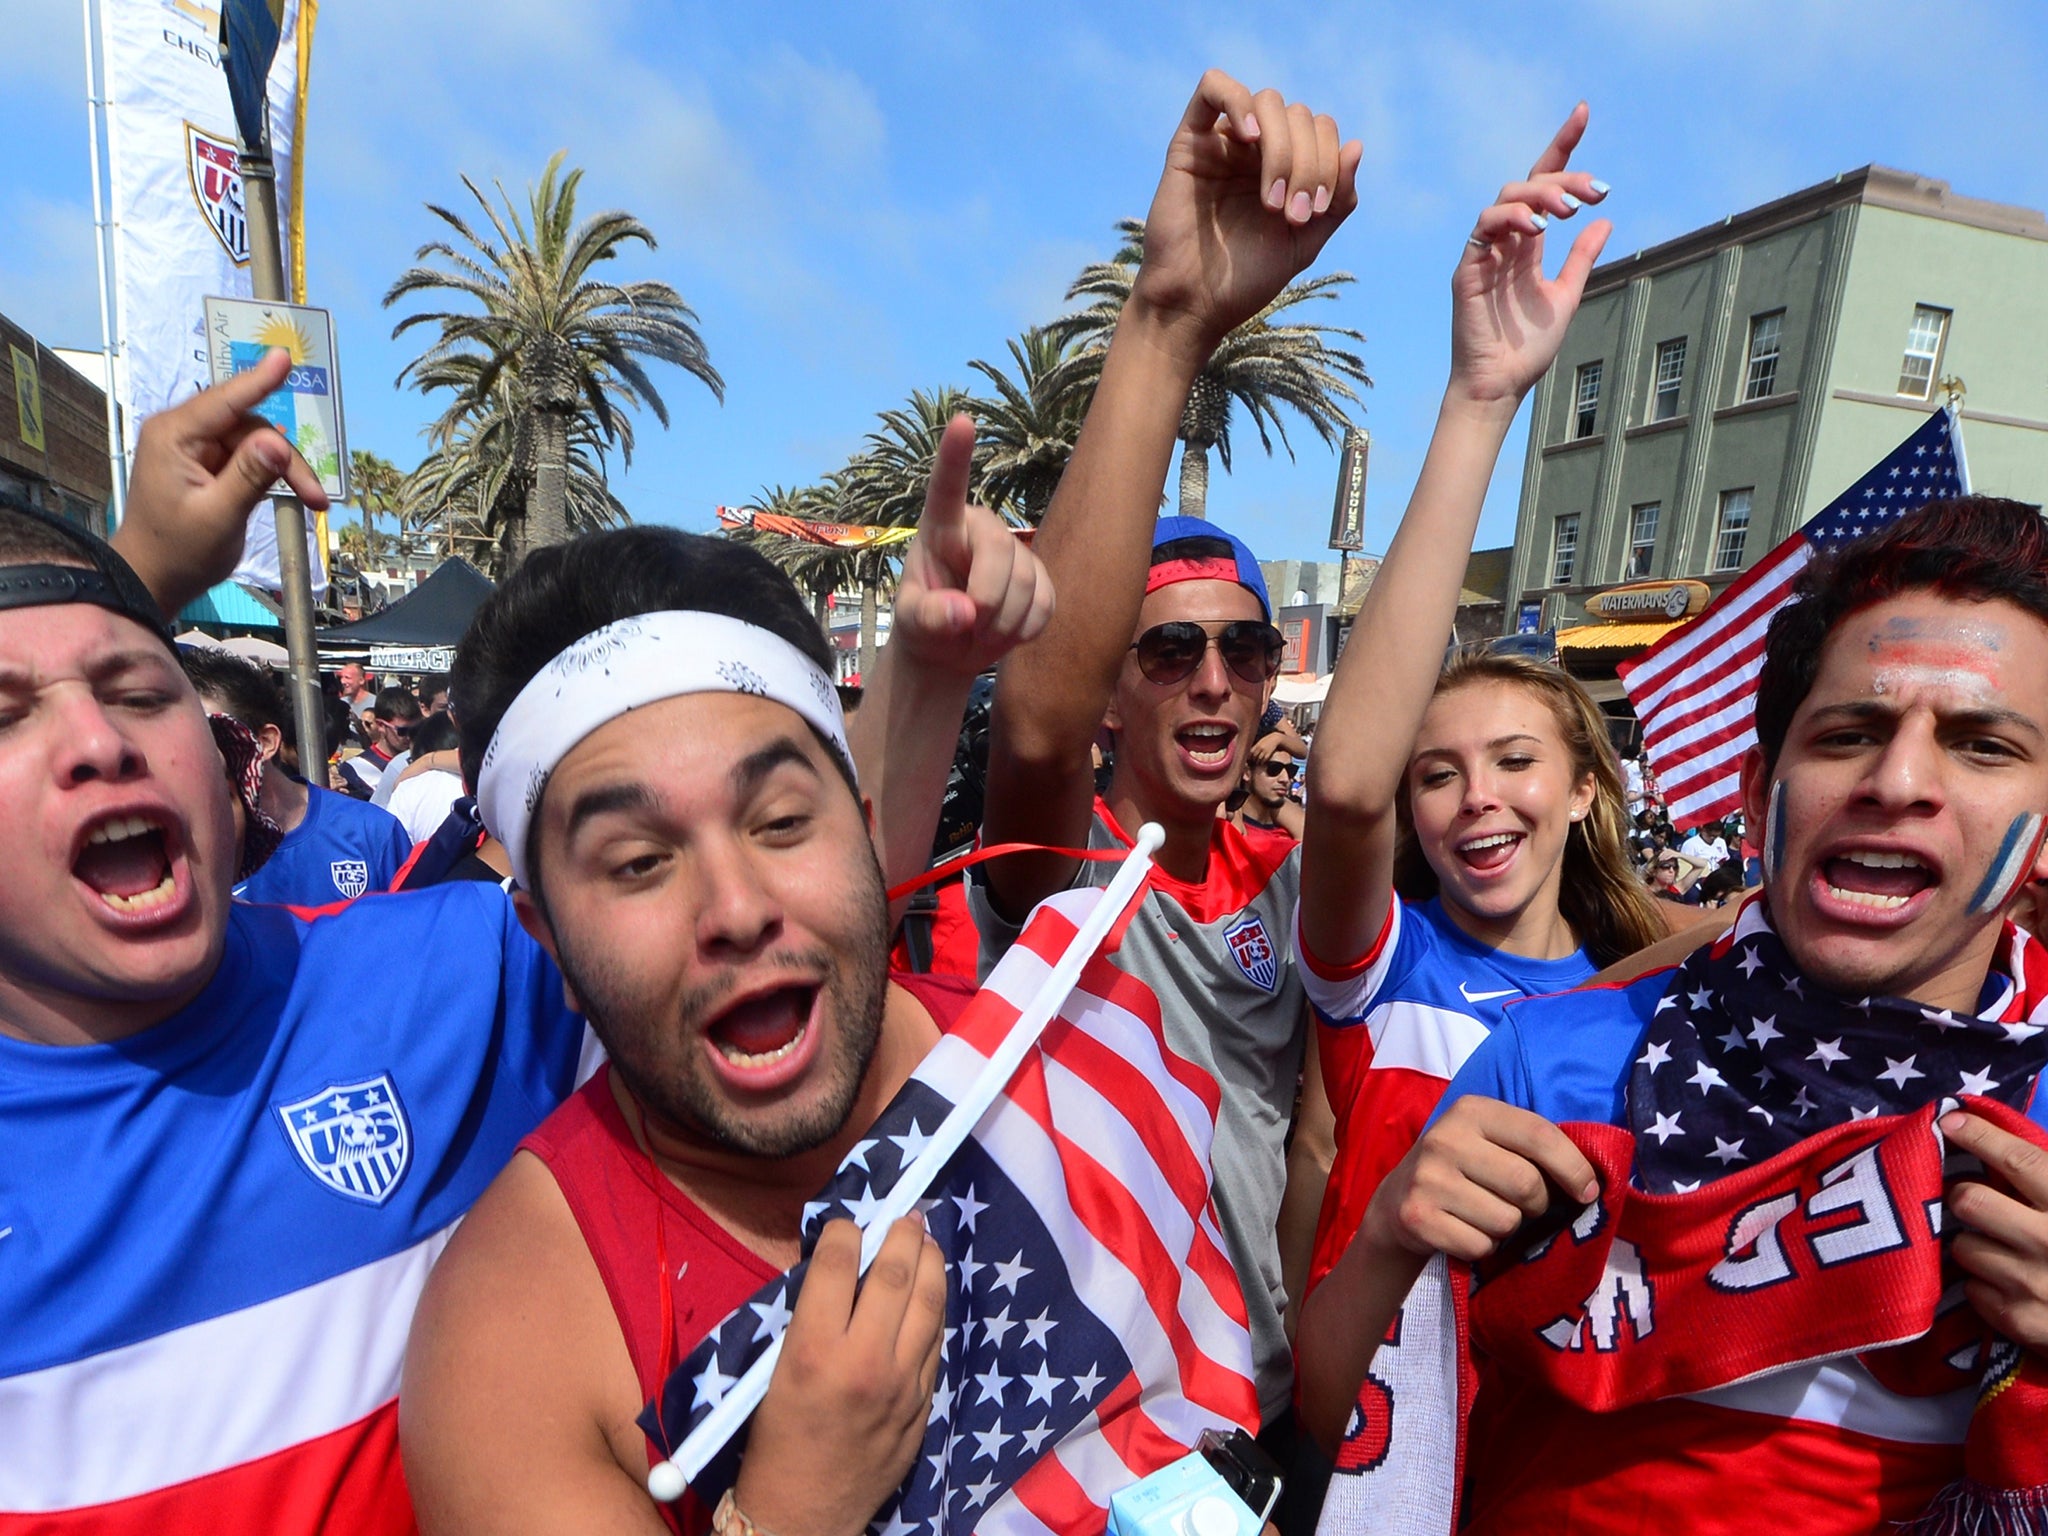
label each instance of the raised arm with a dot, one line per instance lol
(970, 591)
(1507, 322)
(200, 469)
(1252, 188)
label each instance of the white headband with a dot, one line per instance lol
(622, 667)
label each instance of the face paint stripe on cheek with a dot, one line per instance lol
(1774, 831)
(2010, 865)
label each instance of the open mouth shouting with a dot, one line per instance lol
(766, 1040)
(131, 862)
(1206, 745)
(1490, 852)
(1861, 884)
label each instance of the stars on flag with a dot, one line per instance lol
(1759, 1063)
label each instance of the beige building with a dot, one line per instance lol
(1716, 391)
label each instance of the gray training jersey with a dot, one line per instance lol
(1218, 957)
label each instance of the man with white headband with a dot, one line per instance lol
(656, 742)
(220, 1197)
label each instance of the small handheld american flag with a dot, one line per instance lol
(1695, 690)
(1094, 1326)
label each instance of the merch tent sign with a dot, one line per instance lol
(175, 202)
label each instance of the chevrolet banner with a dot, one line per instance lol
(181, 229)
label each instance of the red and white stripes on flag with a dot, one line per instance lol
(1094, 1323)
(1695, 690)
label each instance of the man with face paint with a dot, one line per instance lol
(1900, 777)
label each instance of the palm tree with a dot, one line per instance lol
(1259, 365)
(376, 487)
(473, 485)
(847, 495)
(1029, 427)
(570, 345)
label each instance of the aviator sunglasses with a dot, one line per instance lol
(1168, 652)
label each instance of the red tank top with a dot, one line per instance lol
(628, 1214)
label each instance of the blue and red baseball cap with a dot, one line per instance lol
(1241, 566)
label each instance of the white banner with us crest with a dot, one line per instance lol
(181, 230)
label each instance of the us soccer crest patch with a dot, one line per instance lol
(352, 1137)
(216, 168)
(1252, 948)
(351, 877)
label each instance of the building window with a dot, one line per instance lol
(1564, 549)
(1642, 539)
(1587, 410)
(1732, 531)
(1765, 332)
(1670, 376)
(1923, 350)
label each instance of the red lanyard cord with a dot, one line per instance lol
(945, 871)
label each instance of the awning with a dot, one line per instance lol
(1301, 690)
(433, 614)
(1612, 637)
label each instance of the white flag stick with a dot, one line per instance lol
(666, 1480)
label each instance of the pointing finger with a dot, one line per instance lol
(213, 411)
(1559, 153)
(945, 498)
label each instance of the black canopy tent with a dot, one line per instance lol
(418, 632)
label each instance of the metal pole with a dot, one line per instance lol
(117, 499)
(266, 270)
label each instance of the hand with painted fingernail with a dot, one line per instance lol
(1253, 188)
(1508, 319)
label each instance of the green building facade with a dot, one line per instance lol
(1716, 391)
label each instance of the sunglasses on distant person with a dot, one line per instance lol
(1168, 653)
(1285, 770)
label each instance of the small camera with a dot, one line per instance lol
(1226, 1487)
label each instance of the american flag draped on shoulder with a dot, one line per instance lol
(1695, 689)
(1094, 1327)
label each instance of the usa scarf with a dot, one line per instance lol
(1775, 1199)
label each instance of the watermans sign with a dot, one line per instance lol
(1650, 600)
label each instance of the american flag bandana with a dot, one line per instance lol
(1742, 1059)
(1094, 1327)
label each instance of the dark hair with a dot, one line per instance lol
(1974, 549)
(29, 537)
(431, 684)
(1193, 547)
(244, 688)
(436, 733)
(397, 704)
(566, 591)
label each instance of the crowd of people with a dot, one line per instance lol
(379, 1136)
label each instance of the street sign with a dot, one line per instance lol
(1347, 517)
(307, 410)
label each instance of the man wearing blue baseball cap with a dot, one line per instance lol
(1165, 635)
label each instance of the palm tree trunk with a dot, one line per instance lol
(870, 603)
(1194, 480)
(513, 543)
(547, 505)
(821, 605)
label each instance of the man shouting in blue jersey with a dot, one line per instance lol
(222, 1189)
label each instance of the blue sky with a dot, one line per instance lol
(857, 199)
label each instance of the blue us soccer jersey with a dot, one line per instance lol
(213, 1233)
(343, 849)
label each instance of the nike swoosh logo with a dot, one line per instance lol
(1486, 997)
